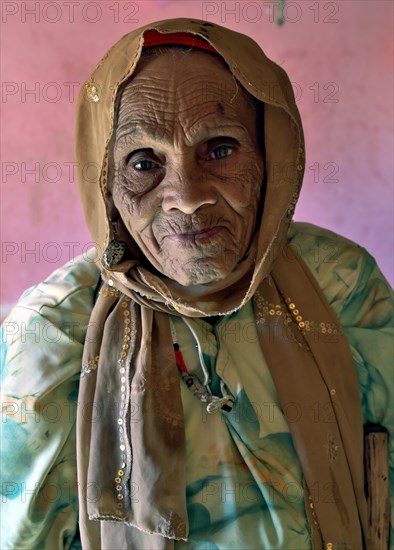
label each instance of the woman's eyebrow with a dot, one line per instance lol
(216, 130)
(132, 129)
(135, 131)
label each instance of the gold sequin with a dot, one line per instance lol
(299, 167)
(117, 480)
(109, 292)
(92, 92)
(123, 353)
(90, 366)
(333, 391)
(265, 309)
(332, 448)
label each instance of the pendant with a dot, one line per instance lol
(220, 403)
(214, 405)
(114, 253)
(200, 391)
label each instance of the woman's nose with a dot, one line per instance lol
(187, 187)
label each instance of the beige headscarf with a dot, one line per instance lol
(130, 431)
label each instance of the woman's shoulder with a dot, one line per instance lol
(50, 318)
(71, 282)
(339, 264)
(319, 245)
(345, 271)
(41, 345)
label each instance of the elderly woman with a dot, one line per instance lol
(227, 368)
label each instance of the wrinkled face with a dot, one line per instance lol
(188, 169)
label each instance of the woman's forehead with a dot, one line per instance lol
(174, 67)
(181, 82)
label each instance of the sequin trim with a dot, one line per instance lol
(90, 366)
(337, 546)
(129, 332)
(312, 512)
(109, 292)
(292, 317)
(265, 310)
(293, 202)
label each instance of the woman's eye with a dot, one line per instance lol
(220, 152)
(143, 165)
(142, 160)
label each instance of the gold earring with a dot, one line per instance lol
(115, 250)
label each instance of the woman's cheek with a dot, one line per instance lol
(124, 199)
(136, 210)
(243, 185)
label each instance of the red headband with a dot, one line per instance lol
(156, 38)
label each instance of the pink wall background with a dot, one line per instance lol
(338, 55)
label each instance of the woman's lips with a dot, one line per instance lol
(195, 236)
